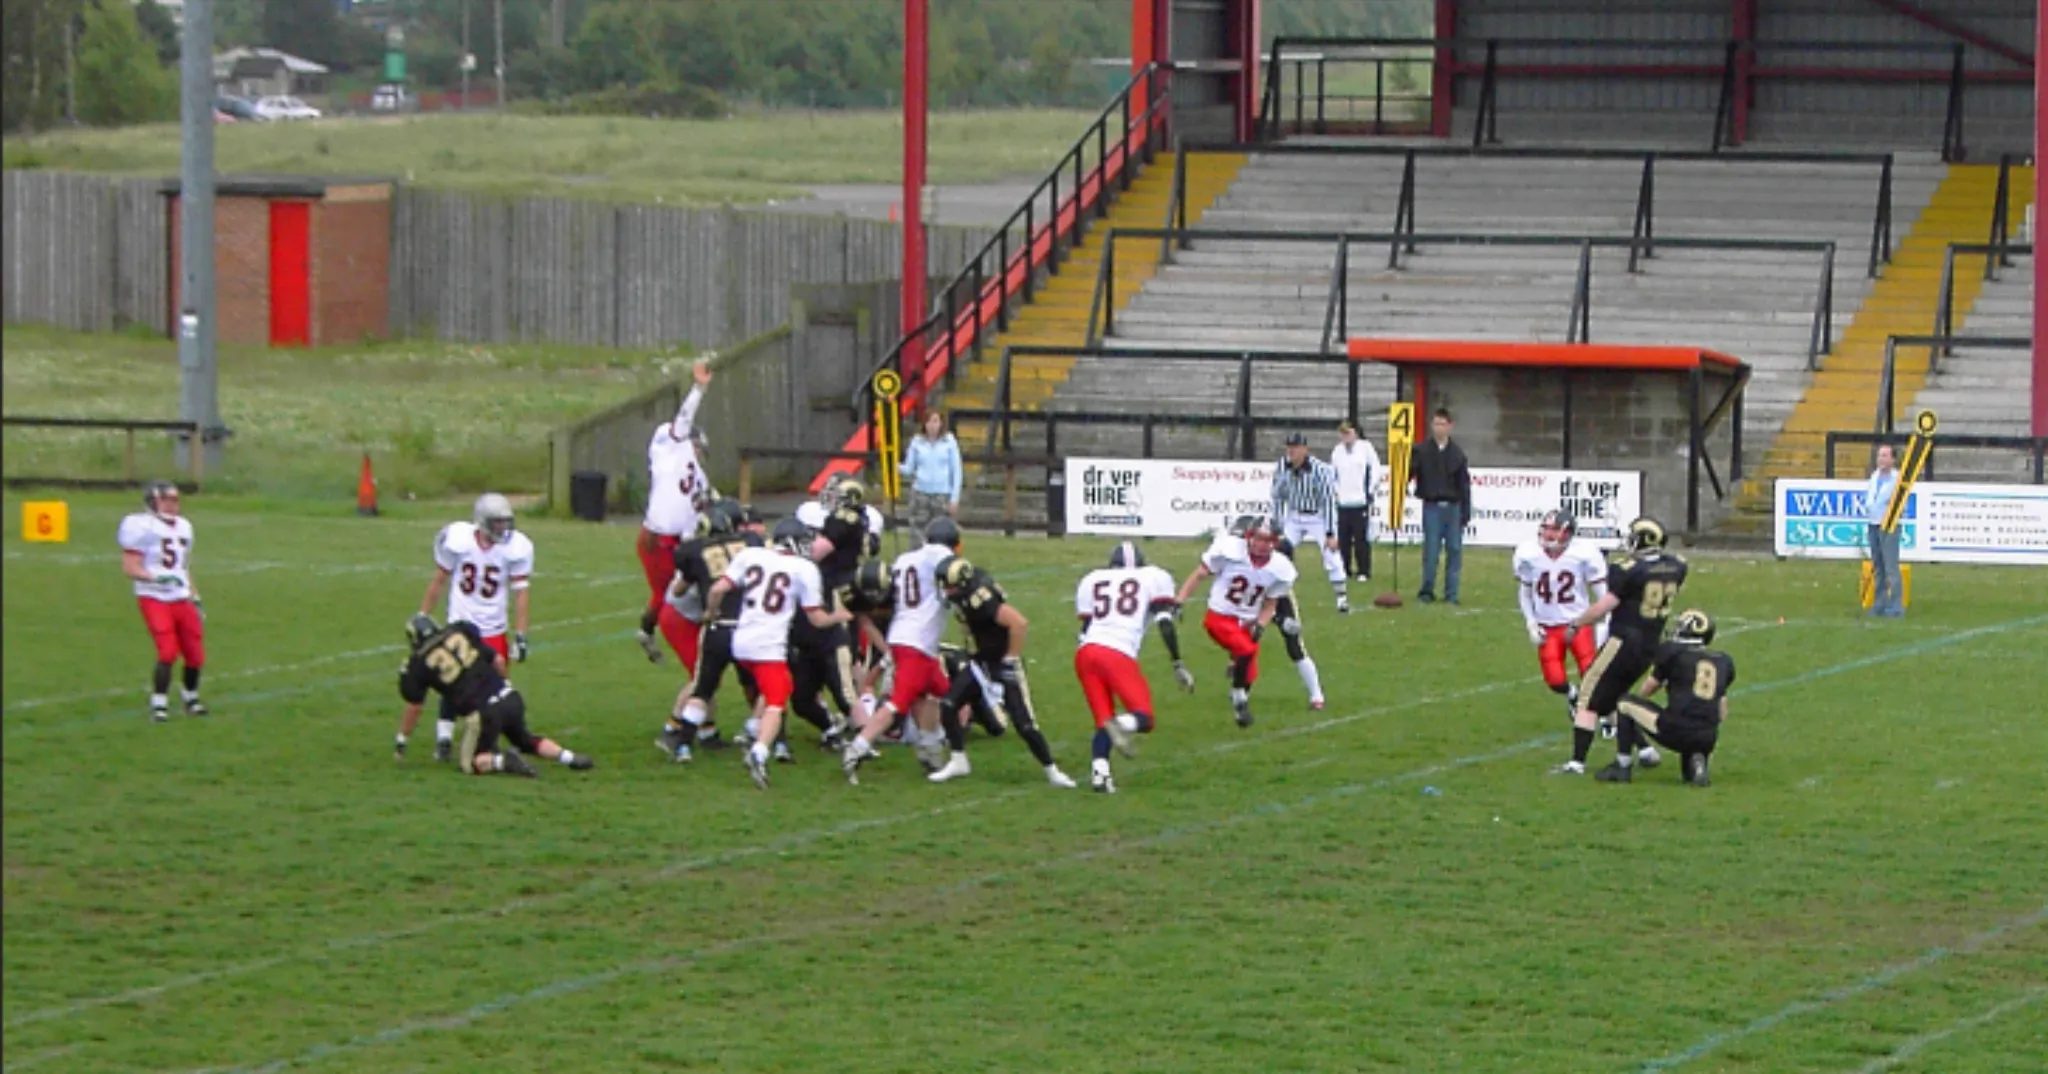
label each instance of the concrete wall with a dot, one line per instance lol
(241, 267)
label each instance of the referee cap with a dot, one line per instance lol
(1297, 438)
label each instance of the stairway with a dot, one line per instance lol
(1058, 311)
(1843, 393)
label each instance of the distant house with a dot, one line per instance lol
(267, 72)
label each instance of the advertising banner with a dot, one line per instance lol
(1940, 522)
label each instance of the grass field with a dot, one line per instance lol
(751, 158)
(1864, 888)
(436, 417)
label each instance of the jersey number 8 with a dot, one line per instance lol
(1706, 681)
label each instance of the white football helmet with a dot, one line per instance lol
(494, 516)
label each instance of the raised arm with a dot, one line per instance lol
(686, 415)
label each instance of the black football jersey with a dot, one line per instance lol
(878, 612)
(702, 561)
(1648, 591)
(847, 528)
(1696, 678)
(455, 663)
(977, 609)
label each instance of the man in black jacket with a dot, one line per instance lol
(1443, 482)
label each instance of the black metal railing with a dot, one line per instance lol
(1936, 346)
(1579, 302)
(1732, 63)
(999, 272)
(1367, 110)
(1945, 305)
(2035, 448)
(2000, 238)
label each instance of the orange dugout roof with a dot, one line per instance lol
(1535, 355)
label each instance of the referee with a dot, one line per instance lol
(1305, 502)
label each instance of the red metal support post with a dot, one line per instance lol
(1149, 20)
(915, 85)
(2040, 199)
(1742, 27)
(1441, 71)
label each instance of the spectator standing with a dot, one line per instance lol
(1884, 547)
(932, 463)
(1358, 467)
(1443, 481)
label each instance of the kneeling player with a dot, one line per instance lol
(1250, 580)
(454, 662)
(1698, 679)
(995, 669)
(1559, 577)
(773, 583)
(1115, 603)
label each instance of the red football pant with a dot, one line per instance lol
(497, 644)
(682, 636)
(772, 678)
(1229, 632)
(658, 559)
(918, 674)
(1109, 677)
(1551, 654)
(175, 628)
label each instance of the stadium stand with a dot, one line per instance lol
(1982, 391)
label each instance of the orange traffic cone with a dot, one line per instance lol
(366, 490)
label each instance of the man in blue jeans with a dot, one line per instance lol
(1886, 601)
(1443, 482)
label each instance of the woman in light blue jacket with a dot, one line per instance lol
(933, 466)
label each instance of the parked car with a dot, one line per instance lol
(391, 97)
(235, 108)
(285, 108)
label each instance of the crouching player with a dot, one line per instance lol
(1114, 604)
(1560, 577)
(1697, 678)
(994, 679)
(453, 662)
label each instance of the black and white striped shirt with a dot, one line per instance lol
(1310, 490)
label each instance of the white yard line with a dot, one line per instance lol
(1912, 1047)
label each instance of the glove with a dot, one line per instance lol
(1536, 634)
(1257, 630)
(1013, 670)
(519, 647)
(1183, 676)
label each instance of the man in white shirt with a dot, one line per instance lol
(1884, 547)
(677, 492)
(156, 553)
(490, 563)
(1358, 468)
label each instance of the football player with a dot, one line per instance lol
(773, 583)
(689, 724)
(156, 553)
(450, 661)
(729, 528)
(1560, 576)
(845, 490)
(873, 602)
(677, 492)
(489, 561)
(1115, 603)
(915, 627)
(994, 681)
(1250, 580)
(1698, 679)
(1641, 587)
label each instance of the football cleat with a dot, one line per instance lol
(650, 646)
(1696, 770)
(757, 768)
(159, 714)
(682, 755)
(1648, 757)
(1059, 779)
(444, 750)
(1121, 736)
(670, 740)
(1315, 704)
(929, 754)
(955, 767)
(1100, 781)
(582, 763)
(858, 752)
(1569, 768)
(1343, 605)
(781, 753)
(1244, 712)
(515, 765)
(195, 707)
(833, 740)
(1615, 772)
(398, 751)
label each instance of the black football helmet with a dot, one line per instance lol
(871, 581)
(1695, 627)
(792, 537)
(419, 628)
(723, 518)
(843, 491)
(955, 574)
(1126, 554)
(1646, 535)
(943, 531)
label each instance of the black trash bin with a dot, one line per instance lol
(586, 494)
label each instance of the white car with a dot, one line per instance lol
(285, 108)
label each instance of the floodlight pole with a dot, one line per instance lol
(915, 85)
(198, 371)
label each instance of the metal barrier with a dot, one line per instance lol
(1945, 307)
(2035, 448)
(188, 430)
(1887, 379)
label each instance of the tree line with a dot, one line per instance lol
(114, 61)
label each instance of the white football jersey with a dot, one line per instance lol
(776, 584)
(1117, 602)
(675, 475)
(920, 618)
(480, 579)
(166, 549)
(1241, 587)
(1560, 585)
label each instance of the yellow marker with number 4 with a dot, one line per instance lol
(46, 520)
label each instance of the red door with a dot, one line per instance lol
(291, 273)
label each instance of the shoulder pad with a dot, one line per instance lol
(852, 516)
(1625, 563)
